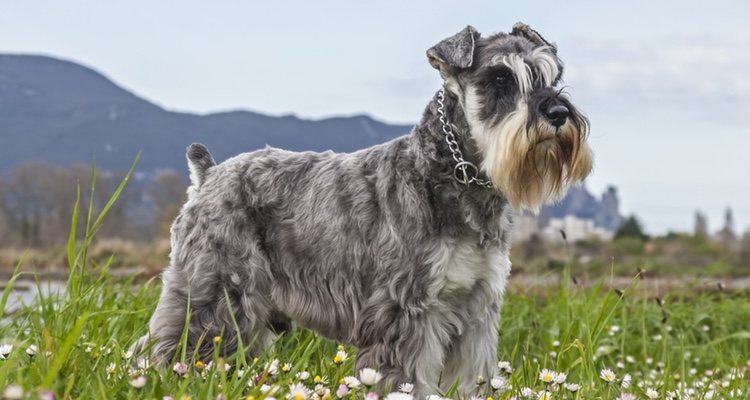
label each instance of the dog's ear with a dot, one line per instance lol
(455, 52)
(523, 30)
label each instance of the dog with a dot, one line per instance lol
(400, 249)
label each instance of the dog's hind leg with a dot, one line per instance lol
(222, 289)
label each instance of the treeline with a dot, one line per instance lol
(37, 199)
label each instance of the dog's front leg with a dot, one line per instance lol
(473, 354)
(406, 344)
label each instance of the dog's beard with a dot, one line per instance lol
(532, 163)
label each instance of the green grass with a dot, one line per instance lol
(681, 343)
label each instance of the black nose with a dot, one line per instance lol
(557, 115)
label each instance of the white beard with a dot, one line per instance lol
(528, 165)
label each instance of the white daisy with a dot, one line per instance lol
(573, 387)
(351, 382)
(625, 383)
(405, 388)
(499, 383)
(544, 395)
(32, 350)
(13, 392)
(303, 375)
(369, 376)
(5, 350)
(399, 396)
(138, 382)
(340, 357)
(546, 376)
(298, 392)
(607, 375)
(505, 367)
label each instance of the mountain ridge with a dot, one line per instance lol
(61, 112)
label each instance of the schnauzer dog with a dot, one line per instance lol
(400, 249)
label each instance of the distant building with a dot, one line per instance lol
(608, 217)
(575, 229)
(701, 225)
(525, 225)
(579, 214)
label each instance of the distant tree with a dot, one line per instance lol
(631, 228)
(25, 201)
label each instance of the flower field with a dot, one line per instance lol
(566, 343)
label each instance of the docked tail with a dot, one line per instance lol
(199, 161)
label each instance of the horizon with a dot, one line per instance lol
(665, 98)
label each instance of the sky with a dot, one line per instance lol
(664, 83)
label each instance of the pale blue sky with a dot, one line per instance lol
(664, 83)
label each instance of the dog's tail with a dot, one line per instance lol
(199, 161)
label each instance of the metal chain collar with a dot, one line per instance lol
(465, 172)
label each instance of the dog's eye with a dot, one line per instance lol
(503, 78)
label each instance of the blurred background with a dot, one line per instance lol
(664, 84)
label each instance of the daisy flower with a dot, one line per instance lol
(351, 382)
(560, 377)
(369, 376)
(544, 395)
(303, 375)
(625, 383)
(371, 396)
(342, 391)
(607, 375)
(504, 366)
(5, 350)
(528, 393)
(138, 382)
(32, 350)
(180, 368)
(546, 376)
(298, 392)
(573, 387)
(273, 367)
(405, 388)
(13, 392)
(499, 383)
(340, 357)
(652, 394)
(398, 396)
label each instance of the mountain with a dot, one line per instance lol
(61, 112)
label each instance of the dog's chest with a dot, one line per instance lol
(461, 265)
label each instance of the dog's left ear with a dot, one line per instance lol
(455, 52)
(523, 30)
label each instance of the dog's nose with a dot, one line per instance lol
(557, 115)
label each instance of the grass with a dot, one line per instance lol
(681, 346)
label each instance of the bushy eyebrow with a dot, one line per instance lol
(540, 60)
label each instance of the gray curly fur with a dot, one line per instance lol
(366, 248)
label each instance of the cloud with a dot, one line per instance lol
(702, 77)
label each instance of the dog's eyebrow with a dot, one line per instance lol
(539, 64)
(546, 64)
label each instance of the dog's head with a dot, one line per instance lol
(531, 139)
